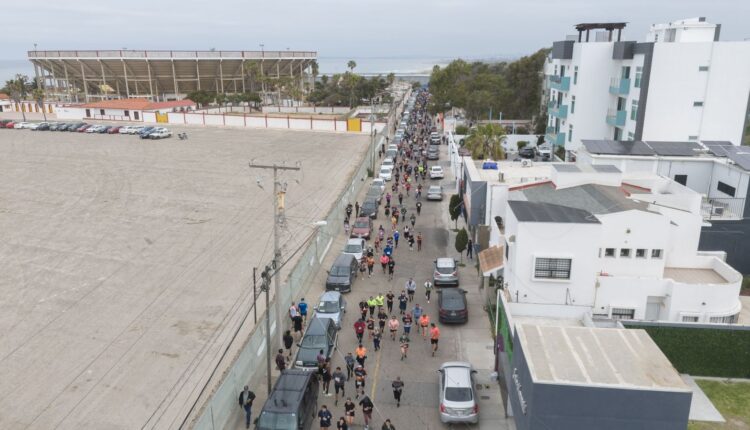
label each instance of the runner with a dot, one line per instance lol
(407, 320)
(434, 337)
(339, 384)
(325, 417)
(396, 236)
(427, 290)
(371, 262)
(371, 303)
(367, 407)
(363, 308)
(413, 219)
(419, 208)
(393, 325)
(341, 424)
(384, 260)
(359, 380)
(380, 301)
(424, 323)
(402, 302)
(419, 241)
(361, 355)
(398, 388)
(376, 336)
(382, 319)
(387, 425)
(349, 359)
(349, 408)
(389, 301)
(411, 288)
(411, 243)
(359, 329)
(404, 341)
(370, 327)
(303, 309)
(417, 311)
(391, 268)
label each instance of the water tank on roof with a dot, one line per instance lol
(489, 165)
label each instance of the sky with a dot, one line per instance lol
(381, 35)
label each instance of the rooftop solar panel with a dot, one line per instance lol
(566, 167)
(614, 147)
(741, 156)
(680, 149)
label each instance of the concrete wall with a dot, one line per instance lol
(337, 110)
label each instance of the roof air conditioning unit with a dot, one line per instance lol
(526, 163)
(718, 211)
(500, 177)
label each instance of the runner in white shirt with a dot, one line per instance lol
(427, 290)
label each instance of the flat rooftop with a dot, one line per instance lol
(126, 265)
(514, 172)
(594, 198)
(694, 276)
(603, 357)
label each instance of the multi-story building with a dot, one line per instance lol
(681, 84)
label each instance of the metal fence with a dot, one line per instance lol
(723, 208)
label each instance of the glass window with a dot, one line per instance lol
(689, 318)
(631, 136)
(634, 110)
(625, 252)
(638, 76)
(697, 104)
(570, 132)
(623, 314)
(729, 319)
(609, 252)
(575, 75)
(552, 268)
(572, 104)
(656, 253)
(681, 179)
(640, 253)
(328, 307)
(703, 68)
(726, 189)
(458, 394)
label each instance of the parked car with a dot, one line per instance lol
(137, 129)
(452, 305)
(391, 153)
(386, 173)
(356, 247)
(342, 274)
(114, 129)
(83, 128)
(369, 208)
(458, 402)
(331, 305)
(527, 152)
(145, 131)
(21, 125)
(436, 172)
(93, 129)
(321, 334)
(292, 404)
(433, 153)
(103, 129)
(55, 126)
(125, 129)
(445, 272)
(76, 126)
(362, 227)
(435, 192)
(374, 193)
(160, 133)
(379, 182)
(388, 162)
(39, 126)
(10, 124)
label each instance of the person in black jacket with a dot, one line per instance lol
(288, 342)
(246, 403)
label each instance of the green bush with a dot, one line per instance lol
(521, 144)
(462, 130)
(702, 351)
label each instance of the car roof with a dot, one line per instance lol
(343, 259)
(354, 241)
(436, 168)
(457, 374)
(318, 327)
(452, 293)
(436, 187)
(288, 391)
(446, 262)
(330, 296)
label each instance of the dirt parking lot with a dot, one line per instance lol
(122, 262)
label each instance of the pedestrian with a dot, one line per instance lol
(246, 403)
(326, 377)
(376, 336)
(387, 200)
(424, 323)
(349, 359)
(470, 249)
(400, 198)
(293, 311)
(370, 327)
(297, 325)
(384, 261)
(359, 380)
(371, 303)
(346, 227)
(359, 329)
(434, 337)
(280, 360)
(389, 301)
(402, 302)
(325, 417)
(356, 208)
(419, 241)
(380, 301)
(367, 407)
(363, 309)
(403, 214)
(417, 311)
(413, 219)
(398, 388)
(371, 262)
(382, 319)
(339, 382)
(321, 360)
(394, 221)
(407, 320)
(288, 342)
(341, 424)
(391, 267)
(302, 306)
(396, 235)
(393, 326)
(419, 208)
(363, 266)
(404, 344)
(387, 425)
(411, 243)
(411, 288)
(349, 408)
(361, 355)
(427, 290)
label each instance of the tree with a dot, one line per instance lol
(18, 89)
(522, 144)
(462, 240)
(391, 78)
(201, 97)
(415, 86)
(462, 130)
(39, 95)
(485, 141)
(351, 65)
(454, 208)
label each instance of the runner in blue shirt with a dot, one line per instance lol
(302, 306)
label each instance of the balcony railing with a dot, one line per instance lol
(616, 117)
(559, 83)
(722, 208)
(619, 86)
(557, 110)
(554, 137)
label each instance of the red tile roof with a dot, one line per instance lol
(137, 104)
(4, 96)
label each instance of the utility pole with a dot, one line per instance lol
(264, 286)
(372, 136)
(278, 216)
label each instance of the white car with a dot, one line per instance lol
(458, 403)
(94, 129)
(160, 133)
(379, 182)
(126, 129)
(393, 147)
(388, 162)
(436, 172)
(20, 125)
(386, 173)
(435, 192)
(36, 125)
(355, 247)
(136, 129)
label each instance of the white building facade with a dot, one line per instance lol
(681, 84)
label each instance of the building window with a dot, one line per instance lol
(570, 132)
(575, 75)
(656, 253)
(729, 319)
(692, 138)
(135, 115)
(623, 314)
(690, 318)
(640, 253)
(681, 179)
(631, 136)
(127, 113)
(697, 104)
(638, 76)
(625, 253)
(552, 268)
(609, 252)
(703, 68)
(633, 109)
(101, 111)
(555, 70)
(726, 189)
(572, 104)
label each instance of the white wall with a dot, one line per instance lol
(725, 104)
(632, 230)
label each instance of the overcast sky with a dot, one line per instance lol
(341, 29)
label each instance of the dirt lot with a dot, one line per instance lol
(123, 262)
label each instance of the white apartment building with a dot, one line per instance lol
(681, 84)
(615, 246)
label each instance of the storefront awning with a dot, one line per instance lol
(490, 260)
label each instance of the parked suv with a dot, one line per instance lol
(458, 403)
(293, 403)
(452, 305)
(331, 305)
(342, 274)
(445, 272)
(321, 334)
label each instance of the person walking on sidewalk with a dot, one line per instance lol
(427, 290)
(398, 388)
(326, 377)
(302, 306)
(402, 302)
(325, 417)
(297, 325)
(280, 361)
(434, 338)
(411, 288)
(288, 342)
(389, 301)
(246, 403)
(470, 249)
(419, 241)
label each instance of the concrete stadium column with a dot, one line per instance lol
(67, 80)
(36, 72)
(151, 82)
(198, 72)
(104, 77)
(243, 76)
(85, 85)
(302, 76)
(174, 78)
(125, 71)
(221, 75)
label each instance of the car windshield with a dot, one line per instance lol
(353, 249)
(277, 421)
(453, 304)
(328, 307)
(456, 394)
(434, 189)
(314, 341)
(361, 224)
(339, 271)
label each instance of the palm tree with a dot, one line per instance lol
(19, 90)
(39, 95)
(485, 141)
(351, 65)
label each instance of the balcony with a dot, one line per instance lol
(554, 137)
(619, 86)
(722, 208)
(557, 110)
(559, 83)
(616, 117)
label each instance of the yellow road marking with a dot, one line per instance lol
(375, 375)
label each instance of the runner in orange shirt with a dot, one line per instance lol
(424, 324)
(434, 337)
